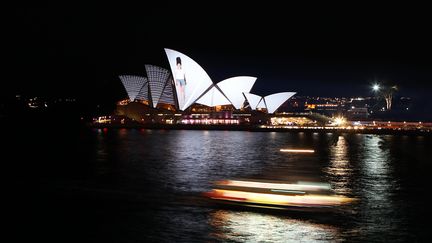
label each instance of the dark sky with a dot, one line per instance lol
(318, 50)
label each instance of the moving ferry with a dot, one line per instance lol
(277, 194)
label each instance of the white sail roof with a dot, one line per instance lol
(273, 101)
(261, 104)
(253, 100)
(132, 85)
(234, 87)
(213, 97)
(157, 78)
(197, 81)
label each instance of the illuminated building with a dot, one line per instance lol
(160, 85)
(199, 88)
(228, 92)
(188, 88)
(356, 113)
(134, 85)
(270, 102)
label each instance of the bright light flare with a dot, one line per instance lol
(298, 150)
(376, 87)
(338, 121)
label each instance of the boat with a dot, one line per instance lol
(272, 194)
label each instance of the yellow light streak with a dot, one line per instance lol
(286, 200)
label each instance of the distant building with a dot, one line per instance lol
(357, 113)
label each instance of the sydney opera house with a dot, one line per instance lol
(186, 94)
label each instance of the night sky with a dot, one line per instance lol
(322, 50)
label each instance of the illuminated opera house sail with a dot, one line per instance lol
(136, 86)
(228, 92)
(155, 88)
(270, 102)
(188, 84)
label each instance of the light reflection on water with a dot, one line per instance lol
(257, 227)
(375, 161)
(167, 163)
(339, 168)
(376, 186)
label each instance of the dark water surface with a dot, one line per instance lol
(129, 185)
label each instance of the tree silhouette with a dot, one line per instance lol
(386, 92)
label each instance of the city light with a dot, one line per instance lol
(298, 150)
(376, 87)
(338, 121)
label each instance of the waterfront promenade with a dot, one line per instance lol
(395, 128)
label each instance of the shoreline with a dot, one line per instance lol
(259, 128)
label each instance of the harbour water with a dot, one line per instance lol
(142, 185)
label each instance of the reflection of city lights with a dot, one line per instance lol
(376, 164)
(339, 169)
(298, 150)
(254, 227)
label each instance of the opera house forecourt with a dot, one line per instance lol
(187, 95)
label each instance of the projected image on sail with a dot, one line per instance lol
(190, 78)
